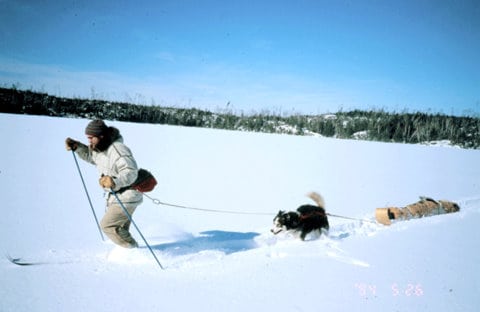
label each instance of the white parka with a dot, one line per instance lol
(117, 162)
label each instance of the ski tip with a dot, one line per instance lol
(17, 261)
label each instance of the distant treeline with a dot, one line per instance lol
(365, 125)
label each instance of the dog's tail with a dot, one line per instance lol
(317, 198)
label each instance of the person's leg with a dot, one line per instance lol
(115, 224)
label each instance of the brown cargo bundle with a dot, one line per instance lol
(423, 208)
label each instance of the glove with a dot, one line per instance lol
(107, 182)
(71, 144)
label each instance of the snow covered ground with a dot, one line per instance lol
(227, 262)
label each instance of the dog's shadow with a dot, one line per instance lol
(227, 242)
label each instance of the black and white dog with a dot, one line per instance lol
(306, 219)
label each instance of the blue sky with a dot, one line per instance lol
(281, 56)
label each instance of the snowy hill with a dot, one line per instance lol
(231, 262)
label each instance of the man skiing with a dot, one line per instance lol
(118, 170)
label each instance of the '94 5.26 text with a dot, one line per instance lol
(396, 290)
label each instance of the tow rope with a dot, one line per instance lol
(158, 202)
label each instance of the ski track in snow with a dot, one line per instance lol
(189, 250)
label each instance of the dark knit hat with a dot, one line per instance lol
(96, 128)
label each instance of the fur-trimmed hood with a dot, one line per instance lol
(112, 135)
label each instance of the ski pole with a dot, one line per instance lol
(136, 227)
(88, 196)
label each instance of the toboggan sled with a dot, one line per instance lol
(423, 208)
